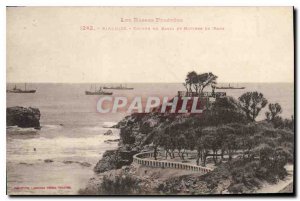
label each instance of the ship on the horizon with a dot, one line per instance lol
(230, 87)
(98, 92)
(16, 90)
(120, 87)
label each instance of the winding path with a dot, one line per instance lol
(144, 159)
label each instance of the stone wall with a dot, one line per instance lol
(144, 159)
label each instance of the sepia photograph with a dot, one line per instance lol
(150, 101)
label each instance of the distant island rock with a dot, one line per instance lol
(23, 117)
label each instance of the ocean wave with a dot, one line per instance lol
(19, 130)
(108, 124)
(100, 129)
(94, 128)
(51, 126)
(84, 164)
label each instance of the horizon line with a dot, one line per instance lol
(139, 82)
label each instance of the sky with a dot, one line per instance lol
(48, 44)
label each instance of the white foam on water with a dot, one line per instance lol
(109, 124)
(56, 148)
(19, 130)
(51, 127)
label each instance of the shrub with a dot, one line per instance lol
(237, 188)
(120, 185)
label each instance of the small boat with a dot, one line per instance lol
(98, 92)
(230, 87)
(16, 90)
(120, 87)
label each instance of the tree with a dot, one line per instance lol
(156, 139)
(274, 110)
(190, 80)
(252, 103)
(198, 146)
(204, 80)
(228, 140)
(210, 142)
(199, 81)
(186, 86)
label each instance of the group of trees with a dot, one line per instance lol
(253, 102)
(195, 82)
(249, 141)
(252, 152)
(227, 129)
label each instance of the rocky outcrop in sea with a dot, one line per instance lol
(23, 117)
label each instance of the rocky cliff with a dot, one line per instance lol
(134, 129)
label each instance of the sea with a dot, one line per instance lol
(72, 136)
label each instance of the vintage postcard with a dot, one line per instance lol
(150, 101)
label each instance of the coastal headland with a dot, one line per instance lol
(222, 151)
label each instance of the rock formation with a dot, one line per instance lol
(23, 117)
(109, 132)
(134, 129)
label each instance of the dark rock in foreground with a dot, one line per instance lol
(23, 117)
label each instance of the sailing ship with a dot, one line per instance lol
(16, 90)
(120, 87)
(97, 92)
(230, 87)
